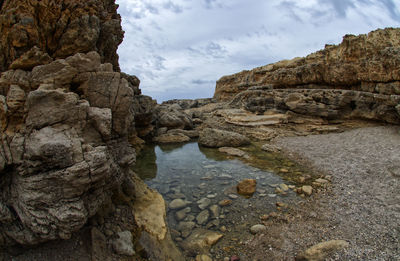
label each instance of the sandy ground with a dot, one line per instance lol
(362, 205)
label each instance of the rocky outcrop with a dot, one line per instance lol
(220, 138)
(67, 117)
(64, 146)
(359, 78)
(36, 32)
(172, 116)
(364, 63)
(329, 103)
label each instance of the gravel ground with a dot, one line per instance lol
(363, 203)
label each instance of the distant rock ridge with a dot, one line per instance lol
(368, 62)
(359, 78)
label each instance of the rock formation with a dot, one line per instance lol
(359, 78)
(67, 117)
(35, 32)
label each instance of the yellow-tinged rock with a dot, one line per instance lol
(322, 250)
(149, 210)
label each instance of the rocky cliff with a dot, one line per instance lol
(67, 117)
(358, 78)
(35, 32)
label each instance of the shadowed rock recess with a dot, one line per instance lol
(359, 78)
(68, 118)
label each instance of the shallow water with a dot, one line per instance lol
(192, 173)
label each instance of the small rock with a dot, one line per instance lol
(204, 203)
(225, 202)
(123, 244)
(307, 190)
(246, 187)
(186, 228)
(202, 217)
(283, 170)
(322, 250)
(212, 195)
(321, 181)
(283, 187)
(203, 258)
(270, 148)
(190, 218)
(233, 196)
(178, 203)
(222, 228)
(224, 176)
(181, 214)
(232, 151)
(281, 205)
(258, 229)
(234, 258)
(214, 211)
(201, 240)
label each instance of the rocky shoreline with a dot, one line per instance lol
(72, 125)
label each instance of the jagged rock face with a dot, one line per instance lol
(367, 63)
(64, 145)
(35, 32)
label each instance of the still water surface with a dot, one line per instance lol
(192, 173)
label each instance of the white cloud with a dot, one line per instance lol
(179, 48)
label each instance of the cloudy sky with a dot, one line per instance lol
(179, 48)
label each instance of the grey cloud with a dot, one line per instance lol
(215, 50)
(341, 6)
(173, 7)
(151, 8)
(212, 49)
(157, 63)
(200, 82)
(291, 8)
(394, 13)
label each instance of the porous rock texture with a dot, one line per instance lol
(359, 78)
(67, 118)
(34, 32)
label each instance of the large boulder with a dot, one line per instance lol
(220, 138)
(172, 117)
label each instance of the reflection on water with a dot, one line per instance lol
(202, 177)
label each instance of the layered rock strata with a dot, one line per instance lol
(358, 78)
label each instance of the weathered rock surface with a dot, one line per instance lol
(171, 138)
(358, 78)
(123, 244)
(65, 128)
(220, 138)
(172, 116)
(366, 62)
(36, 32)
(150, 215)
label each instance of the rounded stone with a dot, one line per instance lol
(259, 228)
